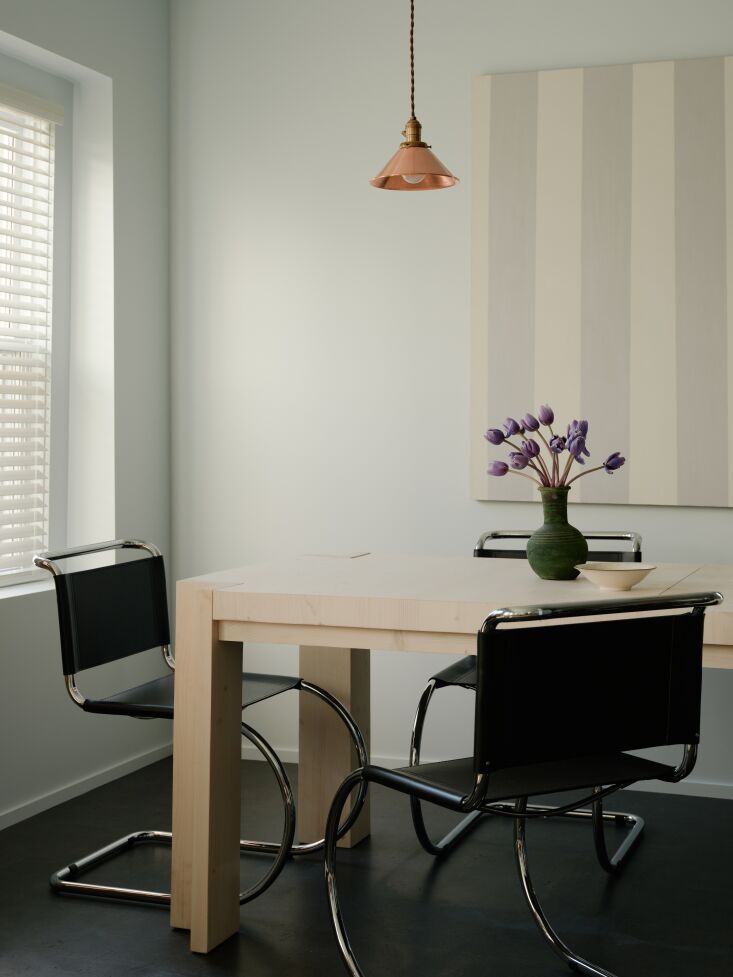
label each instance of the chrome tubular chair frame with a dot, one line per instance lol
(305, 848)
(474, 803)
(632, 555)
(610, 863)
(634, 822)
(67, 878)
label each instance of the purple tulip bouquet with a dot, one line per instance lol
(562, 451)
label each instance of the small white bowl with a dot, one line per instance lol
(615, 576)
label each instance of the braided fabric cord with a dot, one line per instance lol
(412, 58)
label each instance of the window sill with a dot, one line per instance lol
(33, 584)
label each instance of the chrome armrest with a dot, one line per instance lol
(46, 561)
(502, 534)
(630, 605)
(631, 537)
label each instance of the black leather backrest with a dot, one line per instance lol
(559, 691)
(111, 612)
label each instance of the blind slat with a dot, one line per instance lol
(32, 531)
(26, 477)
(10, 502)
(24, 138)
(20, 307)
(38, 281)
(21, 378)
(20, 236)
(42, 253)
(22, 367)
(34, 205)
(27, 292)
(16, 425)
(26, 386)
(16, 152)
(12, 554)
(17, 216)
(12, 267)
(19, 333)
(28, 460)
(36, 319)
(24, 431)
(17, 163)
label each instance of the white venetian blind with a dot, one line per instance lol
(26, 238)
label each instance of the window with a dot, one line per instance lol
(26, 248)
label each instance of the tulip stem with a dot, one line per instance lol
(550, 477)
(542, 464)
(566, 471)
(544, 476)
(586, 472)
(544, 440)
(512, 471)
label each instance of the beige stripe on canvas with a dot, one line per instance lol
(558, 242)
(511, 255)
(702, 340)
(652, 460)
(728, 82)
(480, 286)
(605, 275)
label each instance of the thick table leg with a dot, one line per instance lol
(206, 770)
(326, 753)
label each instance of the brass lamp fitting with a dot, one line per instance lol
(413, 134)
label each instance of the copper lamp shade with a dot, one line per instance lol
(414, 167)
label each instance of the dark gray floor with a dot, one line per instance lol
(670, 913)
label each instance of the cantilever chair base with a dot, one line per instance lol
(463, 674)
(66, 880)
(519, 809)
(610, 863)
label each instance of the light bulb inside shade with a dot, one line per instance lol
(413, 177)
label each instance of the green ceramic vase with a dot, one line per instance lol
(554, 550)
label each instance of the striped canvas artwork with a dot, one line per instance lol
(602, 272)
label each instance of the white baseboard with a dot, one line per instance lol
(690, 786)
(286, 754)
(44, 801)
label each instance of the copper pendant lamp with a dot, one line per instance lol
(413, 166)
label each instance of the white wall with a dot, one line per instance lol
(320, 328)
(64, 751)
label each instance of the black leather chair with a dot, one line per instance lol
(111, 612)
(559, 708)
(462, 674)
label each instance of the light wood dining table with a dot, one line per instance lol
(335, 608)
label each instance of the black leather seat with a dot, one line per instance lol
(550, 777)
(154, 700)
